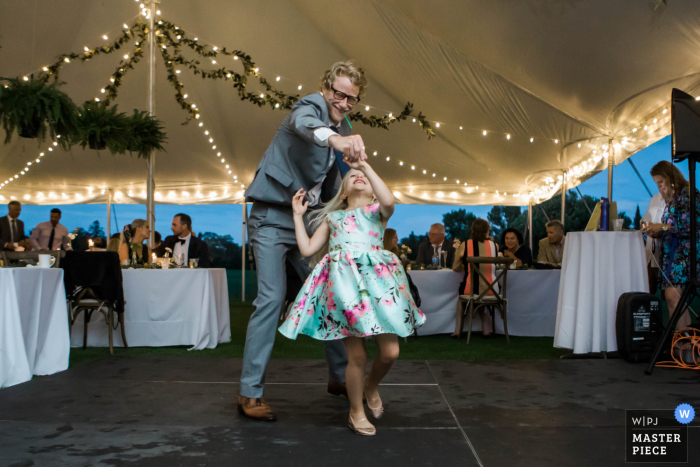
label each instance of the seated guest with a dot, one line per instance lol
(480, 245)
(512, 246)
(391, 243)
(12, 229)
(157, 239)
(50, 235)
(434, 246)
(132, 239)
(552, 247)
(183, 242)
(114, 243)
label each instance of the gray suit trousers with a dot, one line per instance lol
(271, 233)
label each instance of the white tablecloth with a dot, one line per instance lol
(167, 307)
(532, 301)
(597, 268)
(34, 320)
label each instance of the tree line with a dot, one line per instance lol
(225, 253)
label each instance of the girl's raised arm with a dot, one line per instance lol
(381, 191)
(307, 246)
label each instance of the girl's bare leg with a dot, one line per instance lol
(354, 379)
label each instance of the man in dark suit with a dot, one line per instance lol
(183, 242)
(12, 229)
(435, 245)
(304, 153)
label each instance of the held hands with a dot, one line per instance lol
(654, 230)
(298, 205)
(358, 165)
(352, 147)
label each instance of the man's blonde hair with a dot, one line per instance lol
(349, 69)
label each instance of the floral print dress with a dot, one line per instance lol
(358, 289)
(675, 256)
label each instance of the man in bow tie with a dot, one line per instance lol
(182, 242)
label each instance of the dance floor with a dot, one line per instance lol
(175, 411)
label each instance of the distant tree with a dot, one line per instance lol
(458, 224)
(413, 241)
(95, 231)
(627, 221)
(501, 218)
(223, 251)
(637, 219)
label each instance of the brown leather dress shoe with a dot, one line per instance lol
(337, 389)
(255, 409)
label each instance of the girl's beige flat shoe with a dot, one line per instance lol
(376, 412)
(368, 431)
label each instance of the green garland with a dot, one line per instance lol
(167, 38)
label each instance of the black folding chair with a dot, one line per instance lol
(93, 282)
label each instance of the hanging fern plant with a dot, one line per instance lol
(31, 107)
(145, 134)
(103, 127)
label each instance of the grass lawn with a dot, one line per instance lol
(440, 347)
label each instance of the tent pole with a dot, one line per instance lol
(629, 159)
(109, 216)
(244, 218)
(529, 220)
(150, 185)
(563, 192)
(611, 164)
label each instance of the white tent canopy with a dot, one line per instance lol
(540, 78)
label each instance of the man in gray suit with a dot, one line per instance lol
(12, 229)
(304, 153)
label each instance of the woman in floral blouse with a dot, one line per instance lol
(674, 229)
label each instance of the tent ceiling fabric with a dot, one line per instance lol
(581, 73)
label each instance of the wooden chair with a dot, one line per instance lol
(88, 302)
(473, 303)
(32, 255)
(94, 283)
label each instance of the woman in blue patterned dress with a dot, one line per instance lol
(674, 270)
(358, 289)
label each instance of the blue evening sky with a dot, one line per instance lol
(628, 191)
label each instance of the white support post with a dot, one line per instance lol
(109, 216)
(563, 191)
(243, 252)
(150, 184)
(611, 164)
(529, 219)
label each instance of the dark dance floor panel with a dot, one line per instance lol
(150, 411)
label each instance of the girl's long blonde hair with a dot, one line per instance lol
(335, 204)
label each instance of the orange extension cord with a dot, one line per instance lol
(680, 344)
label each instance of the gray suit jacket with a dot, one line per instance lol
(294, 160)
(5, 231)
(548, 253)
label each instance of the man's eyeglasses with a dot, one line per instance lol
(352, 100)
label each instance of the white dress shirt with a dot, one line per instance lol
(183, 248)
(321, 136)
(656, 208)
(42, 233)
(439, 250)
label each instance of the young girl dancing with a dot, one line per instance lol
(358, 289)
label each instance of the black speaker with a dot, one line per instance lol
(685, 125)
